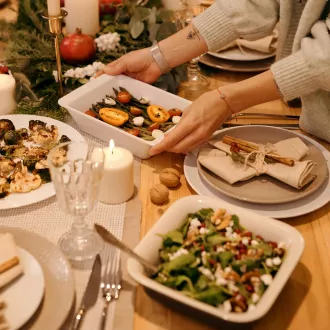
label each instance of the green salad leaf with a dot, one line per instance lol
(179, 262)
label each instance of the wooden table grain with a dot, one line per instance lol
(304, 302)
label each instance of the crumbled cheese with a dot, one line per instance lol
(156, 133)
(254, 242)
(277, 261)
(245, 241)
(195, 223)
(255, 279)
(203, 231)
(231, 223)
(229, 229)
(234, 235)
(281, 245)
(110, 101)
(227, 270)
(229, 235)
(206, 272)
(232, 287)
(220, 249)
(269, 262)
(255, 297)
(176, 119)
(217, 222)
(178, 254)
(266, 278)
(219, 280)
(144, 100)
(251, 307)
(204, 255)
(227, 306)
(138, 121)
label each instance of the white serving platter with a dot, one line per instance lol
(81, 99)
(268, 228)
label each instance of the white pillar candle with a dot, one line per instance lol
(54, 7)
(83, 14)
(7, 94)
(117, 185)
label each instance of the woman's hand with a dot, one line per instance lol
(138, 65)
(198, 122)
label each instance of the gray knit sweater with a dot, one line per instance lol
(302, 68)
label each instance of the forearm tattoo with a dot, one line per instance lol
(193, 34)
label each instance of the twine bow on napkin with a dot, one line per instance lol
(256, 162)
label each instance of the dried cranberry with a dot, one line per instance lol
(241, 246)
(212, 262)
(215, 248)
(242, 251)
(202, 247)
(249, 288)
(237, 231)
(203, 225)
(4, 70)
(273, 244)
(247, 234)
(238, 257)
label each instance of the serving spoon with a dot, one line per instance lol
(111, 239)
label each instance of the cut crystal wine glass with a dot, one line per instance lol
(76, 169)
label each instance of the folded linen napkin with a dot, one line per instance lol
(264, 45)
(296, 176)
(10, 267)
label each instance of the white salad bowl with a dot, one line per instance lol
(268, 228)
(81, 99)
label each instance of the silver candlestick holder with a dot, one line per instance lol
(55, 28)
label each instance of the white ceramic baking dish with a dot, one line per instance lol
(268, 228)
(80, 100)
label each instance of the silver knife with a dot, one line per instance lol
(91, 293)
(284, 126)
(258, 114)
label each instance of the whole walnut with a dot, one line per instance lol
(159, 193)
(169, 177)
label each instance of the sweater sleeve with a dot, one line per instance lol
(308, 69)
(228, 20)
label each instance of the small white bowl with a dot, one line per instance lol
(268, 228)
(81, 99)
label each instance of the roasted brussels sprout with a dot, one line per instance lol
(23, 133)
(35, 125)
(64, 139)
(5, 126)
(30, 163)
(44, 175)
(11, 138)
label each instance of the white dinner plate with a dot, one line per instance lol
(46, 190)
(235, 54)
(236, 66)
(279, 211)
(23, 296)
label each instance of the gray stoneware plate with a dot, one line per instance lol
(265, 189)
(59, 283)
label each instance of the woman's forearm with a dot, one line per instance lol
(249, 92)
(182, 46)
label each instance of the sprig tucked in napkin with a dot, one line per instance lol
(10, 267)
(222, 164)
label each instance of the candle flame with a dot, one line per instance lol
(111, 145)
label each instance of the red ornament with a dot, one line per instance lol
(78, 48)
(4, 70)
(109, 6)
(62, 3)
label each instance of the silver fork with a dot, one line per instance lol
(111, 282)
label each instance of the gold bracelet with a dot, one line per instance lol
(223, 97)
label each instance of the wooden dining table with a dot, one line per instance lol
(304, 302)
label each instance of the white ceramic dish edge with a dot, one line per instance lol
(78, 101)
(267, 227)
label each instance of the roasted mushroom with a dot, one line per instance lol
(5, 126)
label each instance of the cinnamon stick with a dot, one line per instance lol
(251, 147)
(9, 264)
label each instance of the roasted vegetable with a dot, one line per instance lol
(44, 175)
(114, 116)
(175, 112)
(6, 166)
(45, 135)
(23, 133)
(5, 126)
(11, 138)
(124, 97)
(30, 163)
(158, 114)
(90, 113)
(4, 187)
(35, 125)
(64, 139)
